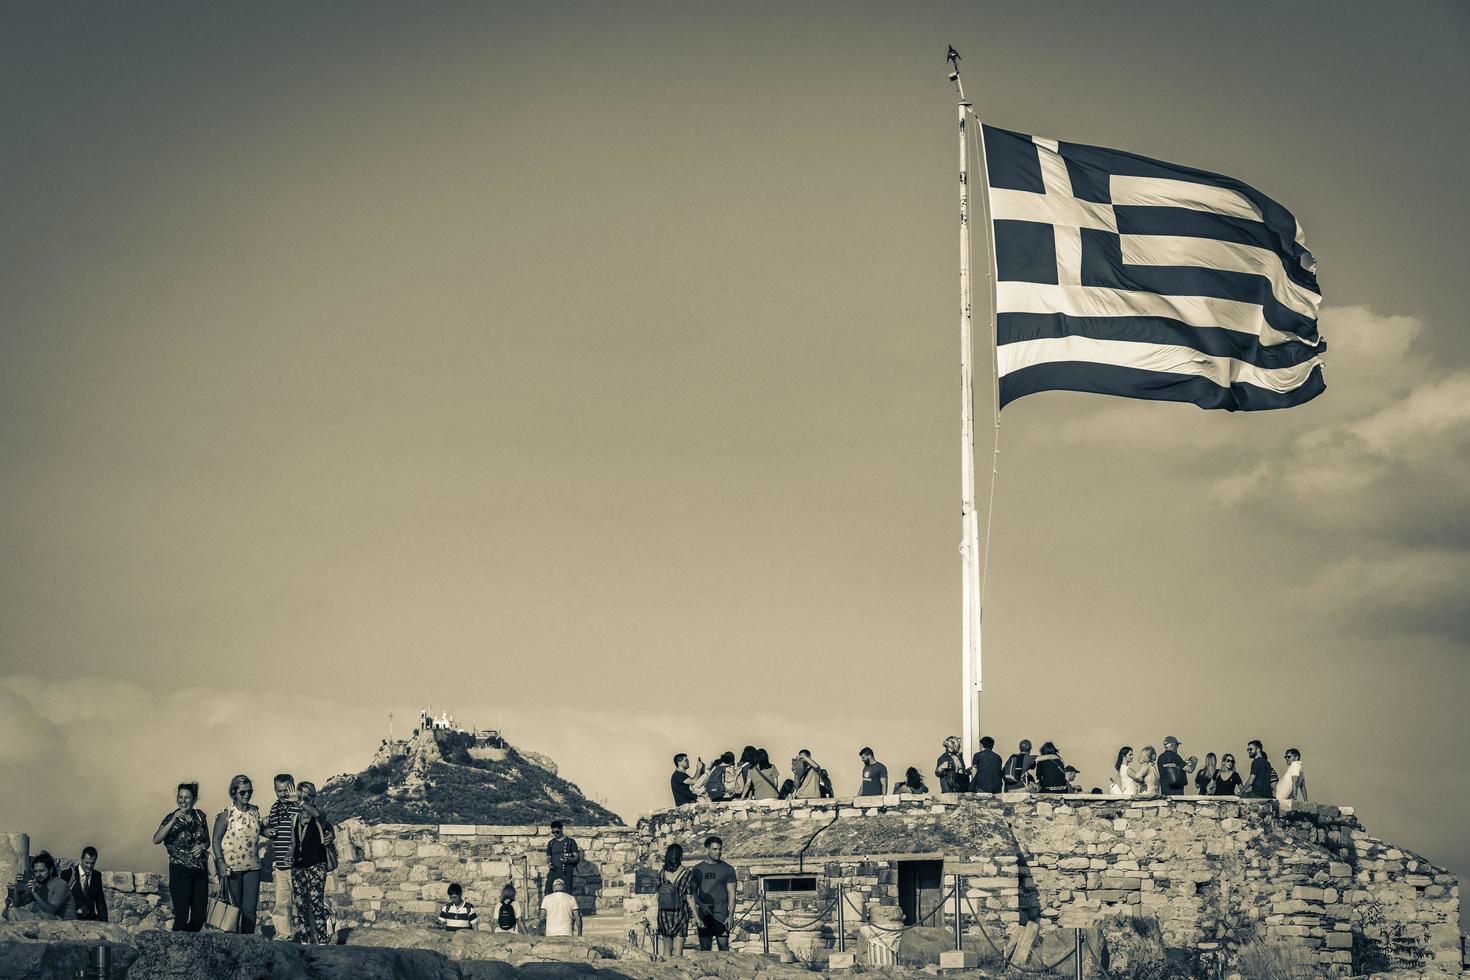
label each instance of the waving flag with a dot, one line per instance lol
(1122, 275)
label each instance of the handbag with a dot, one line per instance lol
(222, 915)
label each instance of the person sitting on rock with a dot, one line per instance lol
(46, 897)
(560, 915)
(913, 784)
(86, 887)
(458, 915)
(986, 769)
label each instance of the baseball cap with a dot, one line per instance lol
(1171, 738)
(1072, 769)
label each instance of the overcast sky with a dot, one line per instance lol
(591, 370)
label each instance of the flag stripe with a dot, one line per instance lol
(1170, 193)
(1018, 327)
(1184, 223)
(1209, 253)
(1173, 359)
(1101, 301)
(1126, 382)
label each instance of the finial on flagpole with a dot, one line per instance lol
(953, 60)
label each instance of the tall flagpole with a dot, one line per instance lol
(970, 544)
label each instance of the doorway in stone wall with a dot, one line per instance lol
(919, 889)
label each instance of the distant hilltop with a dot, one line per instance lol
(445, 774)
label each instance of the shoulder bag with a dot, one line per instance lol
(222, 915)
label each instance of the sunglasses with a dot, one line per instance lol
(244, 792)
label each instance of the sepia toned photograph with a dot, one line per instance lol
(655, 491)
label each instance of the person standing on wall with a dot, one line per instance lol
(238, 831)
(1173, 769)
(714, 896)
(1017, 770)
(1227, 780)
(86, 887)
(1204, 779)
(763, 780)
(280, 826)
(807, 775)
(1050, 772)
(874, 776)
(184, 833)
(987, 772)
(953, 775)
(1260, 782)
(1293, 784)
(562, 857)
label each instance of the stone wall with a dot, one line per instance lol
(399, 873)
(1217, 873)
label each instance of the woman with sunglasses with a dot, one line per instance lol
(1227, 780)
(238, 832)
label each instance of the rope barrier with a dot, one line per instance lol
(938, 906)
(818, 917)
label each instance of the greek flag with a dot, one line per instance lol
(1122, 275)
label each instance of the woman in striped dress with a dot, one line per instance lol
(675, 901)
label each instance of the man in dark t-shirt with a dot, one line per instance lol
(1258, 784)
(714, 895)
(679, 781)
(562, 856)
(1173, 770)
(985, 775)
(875, 774)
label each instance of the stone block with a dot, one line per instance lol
(958, 959)
(117, 880)
(1305, 894)
(432, 850)
(456, 830)
(842, 962)
(1339, 940)
(1339, 870)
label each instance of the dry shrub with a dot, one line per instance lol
(1264, 960)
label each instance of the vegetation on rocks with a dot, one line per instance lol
(435, 780)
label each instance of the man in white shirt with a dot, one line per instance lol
(559, 913)
(1293, 783)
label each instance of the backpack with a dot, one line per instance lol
(506, 917)
(1015, 770)
(668, 895)
(715, 785)
(824, 784)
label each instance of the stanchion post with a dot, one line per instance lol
(765, 922)
(959, 906)
(1077, 954)
(841, 920)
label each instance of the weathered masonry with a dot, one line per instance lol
(1216, 872)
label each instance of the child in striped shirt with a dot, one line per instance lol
(458, 914)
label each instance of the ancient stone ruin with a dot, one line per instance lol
(1218, 876)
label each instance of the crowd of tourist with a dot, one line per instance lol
(1146, 772)
(293, 845)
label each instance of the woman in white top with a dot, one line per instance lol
(1123, 782)
(1147, 771)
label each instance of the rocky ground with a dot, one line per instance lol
(56, 950)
